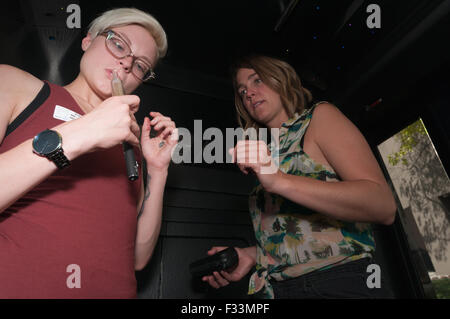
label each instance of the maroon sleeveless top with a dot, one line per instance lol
(78, 227)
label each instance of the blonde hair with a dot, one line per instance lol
(127, 16)
(280, 77)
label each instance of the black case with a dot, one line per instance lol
(220, 261)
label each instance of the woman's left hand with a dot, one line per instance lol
(254, 156)
(157, 151)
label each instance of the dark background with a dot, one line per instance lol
(405, 63)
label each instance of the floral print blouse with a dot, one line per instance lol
(293, 240)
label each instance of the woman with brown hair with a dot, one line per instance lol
(312, 214)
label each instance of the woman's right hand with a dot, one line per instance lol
(247, 259)
(107, 125)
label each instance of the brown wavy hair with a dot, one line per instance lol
(280, 77)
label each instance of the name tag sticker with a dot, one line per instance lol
(64, 114)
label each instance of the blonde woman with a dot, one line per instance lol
(311, 215)
(71, 224)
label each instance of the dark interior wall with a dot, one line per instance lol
(203, 207)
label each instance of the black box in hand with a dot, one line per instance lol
(222, 260)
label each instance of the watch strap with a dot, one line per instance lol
(59, 158)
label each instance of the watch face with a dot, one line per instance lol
(46, 142)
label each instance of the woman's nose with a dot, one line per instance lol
(250, 93)
(126, 62)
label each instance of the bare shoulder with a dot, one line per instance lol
(328, 118)
(330, 126)
(326, 111)
(17, 89)
(325, 132)
(16, 82)
(343, 145)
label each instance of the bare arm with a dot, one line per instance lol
(357, 200)
(363, 194)
(20, 167)
(149, 218)
(157, 153)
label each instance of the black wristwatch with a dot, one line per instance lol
(48, 143)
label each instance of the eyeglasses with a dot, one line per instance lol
(120, 49)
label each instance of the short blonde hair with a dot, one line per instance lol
(127, 16)
(280, 77)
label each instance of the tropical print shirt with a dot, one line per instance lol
(293, 240)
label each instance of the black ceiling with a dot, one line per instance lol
(327, 41)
